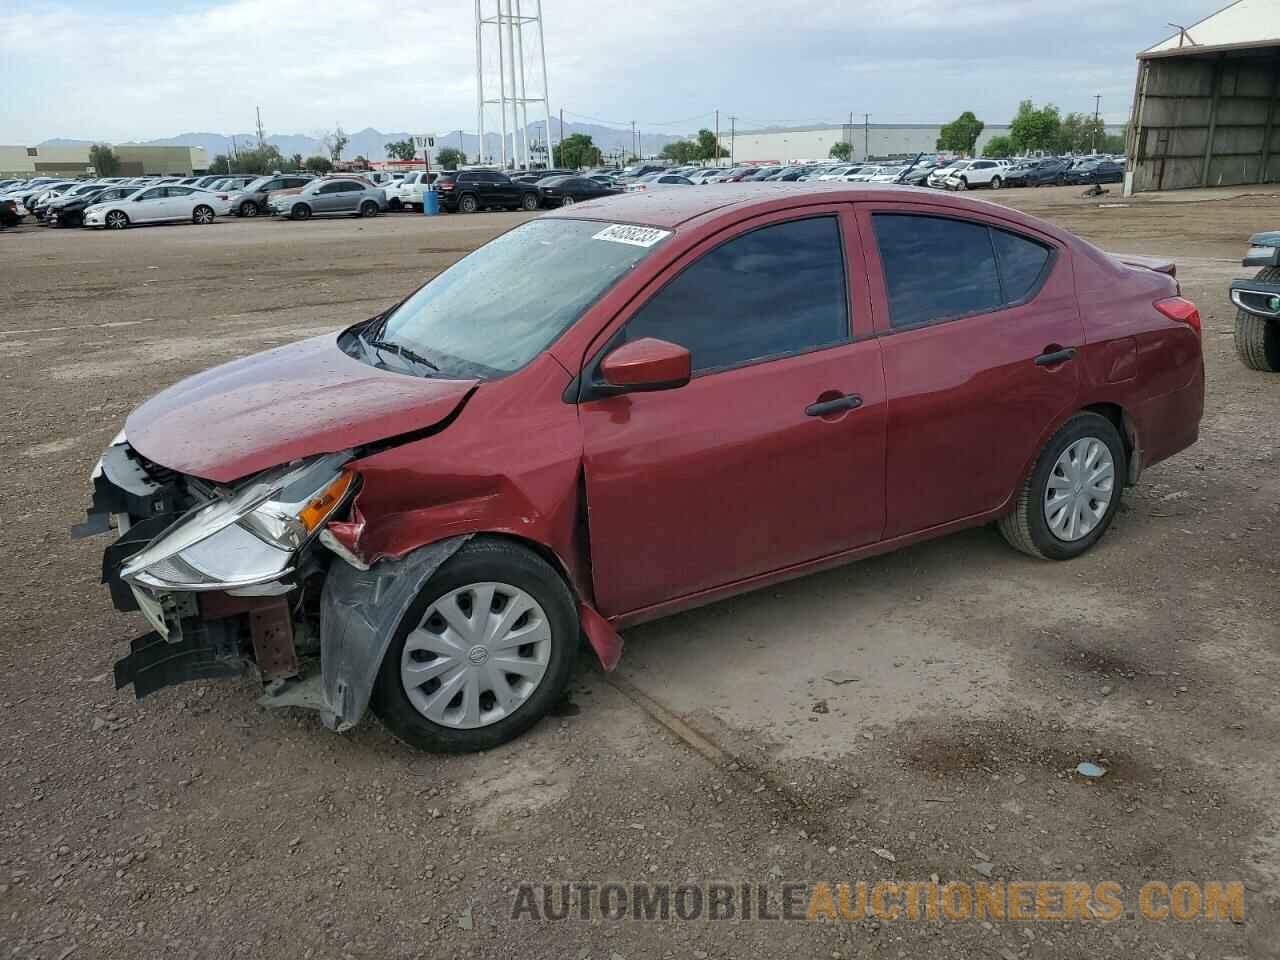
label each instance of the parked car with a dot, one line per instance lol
(408, 191)
(1257, 303)
(564, 191)
(252, 199)
(9, 216)
(68, 210)
(533, 176)
(165, 203)
(938, 178)
(977, 173)
(443, 499)
(1091, 170)
(1045, 172)
(467, 191)
(662, 181)
(39, 206)
(332, 196)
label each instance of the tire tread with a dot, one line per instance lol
(1258, 340)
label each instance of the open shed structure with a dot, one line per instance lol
(1205, 107)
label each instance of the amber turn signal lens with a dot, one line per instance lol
(325, 502)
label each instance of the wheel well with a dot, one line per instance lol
(1128, 434)
(543, 551)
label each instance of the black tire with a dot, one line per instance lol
(1060, 181)
(467, 203)
(482, 560)
(300, 211)
(1026, 529)
(1257, 338)
(529, 202)
(394, 204)
(202, 215)
(116, 220)
(963, 184)
(996, 183)
(248, 209)
(369, 208)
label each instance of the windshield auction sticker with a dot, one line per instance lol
(631, 235)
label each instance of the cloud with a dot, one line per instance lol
(130, 73)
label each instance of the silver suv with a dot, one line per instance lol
(336, 195)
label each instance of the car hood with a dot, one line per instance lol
(298, 400)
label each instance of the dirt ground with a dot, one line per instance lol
(971, 679)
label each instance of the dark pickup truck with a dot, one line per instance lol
(466, 191)
(1257, 304)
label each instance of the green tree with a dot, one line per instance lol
(1033, 129)
(220, 164)
(998, 147)
(841, 150)
(682, 151)
(104, 160)
(318, 164)
(961, 134)
(576, 151)
(708, 148)
(449, 158)
(296, 161)
(401, 150)
(259, 160)
(1115, 142)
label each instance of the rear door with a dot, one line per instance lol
(975, 316)
(773, 455)
(180, 202)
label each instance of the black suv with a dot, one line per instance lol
(467, 191)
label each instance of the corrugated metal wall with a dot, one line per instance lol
(1206, 121)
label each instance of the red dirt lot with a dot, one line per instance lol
(930, 705)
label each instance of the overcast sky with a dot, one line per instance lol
(141, 69)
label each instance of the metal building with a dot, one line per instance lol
(1204, 109)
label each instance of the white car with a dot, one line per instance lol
(660, 181)
(978, 173)
(939, 177)
(887, 174)
(165, 203)
(409, 191)
(836, 173)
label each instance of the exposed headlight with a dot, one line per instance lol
(248, 538)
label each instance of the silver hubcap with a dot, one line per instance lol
(116, 220)
(1080, 489)
(478, 654)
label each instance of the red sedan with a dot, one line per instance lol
(623, 409)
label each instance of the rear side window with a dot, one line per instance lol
(938, 269)
(773, 292)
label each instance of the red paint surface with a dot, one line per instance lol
(654, 502)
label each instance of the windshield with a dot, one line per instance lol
(550, 272)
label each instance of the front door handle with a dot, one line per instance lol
(850, 401)
(1055, 357)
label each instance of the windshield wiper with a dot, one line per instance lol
(404, 352)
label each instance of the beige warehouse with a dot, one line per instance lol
(18, 161)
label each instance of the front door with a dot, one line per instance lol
(773, 454)
(969, 310)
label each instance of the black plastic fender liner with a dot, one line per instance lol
(359, 613)
(205, 654)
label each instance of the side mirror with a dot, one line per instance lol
(645, 365)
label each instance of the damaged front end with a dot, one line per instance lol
(229, 577)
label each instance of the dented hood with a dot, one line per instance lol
(294, 401)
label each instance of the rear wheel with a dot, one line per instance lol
(369, 209)
(1257, 338)
(1073, 492)
(467, 203)
(483, 653)
(300, 211)
(202, 215)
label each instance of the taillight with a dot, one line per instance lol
(1182, 310)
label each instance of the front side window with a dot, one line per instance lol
(938, 268)
(562, 268)
(773, 292)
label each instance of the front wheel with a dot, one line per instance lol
(248, 209)
(1257, 338)
(483, 652)
(1073, 492)
(117, 220)
(300, 211)
(202, 215)
(369, 209)
(963, 184)
(566, 201)
(529, 202)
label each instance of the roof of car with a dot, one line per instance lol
(669, 209)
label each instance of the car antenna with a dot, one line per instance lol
(902, 176)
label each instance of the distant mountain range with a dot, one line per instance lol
(371, 143)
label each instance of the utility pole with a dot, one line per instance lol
(260, 137)
(733, 122)
(717, 150)
(1097, 112)
(551, 159)
(866, 136)
(633, 138)
(849, 134)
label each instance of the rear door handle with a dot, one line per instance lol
(1057, 356)
(850, 401)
